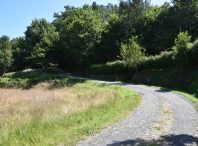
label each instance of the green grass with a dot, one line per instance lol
(166, 111)
(158, 128)
(159, 122)
(26, 80)
(58, 110)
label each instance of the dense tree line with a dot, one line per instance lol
(93, 34)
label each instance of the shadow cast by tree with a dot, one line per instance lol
(166, 140)
(27, 80)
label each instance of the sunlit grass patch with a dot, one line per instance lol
(60, 111)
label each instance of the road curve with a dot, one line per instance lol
(164, 118)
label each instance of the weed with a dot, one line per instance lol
(166, 111)
(159, 122)
(158, 128)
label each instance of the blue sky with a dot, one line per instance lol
(16, 15)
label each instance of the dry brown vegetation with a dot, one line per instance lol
(24, 104)
(63, 110)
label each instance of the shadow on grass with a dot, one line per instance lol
(167, 140)
(58, 84)
(26, 80)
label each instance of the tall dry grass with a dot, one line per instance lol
(23, 105)
(48, 113)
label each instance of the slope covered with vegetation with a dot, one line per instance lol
(57, 109)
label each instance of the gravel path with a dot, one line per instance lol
(164, 118)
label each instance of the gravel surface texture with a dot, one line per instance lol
(164, 118)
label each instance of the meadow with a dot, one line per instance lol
(51, 109)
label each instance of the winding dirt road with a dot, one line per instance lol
(164, 118)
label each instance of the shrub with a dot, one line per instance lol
(182, 48)
(181, 43)
(162, 61)
(116, 67)
(194, 51)
(133, 54)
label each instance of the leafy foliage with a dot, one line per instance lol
(40, 38)
(182, 47)
(79, 37)
(132, 53)
(20, 52)
(158, 62)
(116, 67)
(5, 52)
(80, 32)
(181, 43)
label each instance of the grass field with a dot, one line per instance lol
(50, 109)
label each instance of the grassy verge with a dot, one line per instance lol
(58, 110)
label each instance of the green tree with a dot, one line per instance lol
(20, 52)
(79, 34)
(94, 6)
(182, 47)
(132, 53)
(5, 53)
(130, 11)
(86, 7)
(109, 47)
(41, 38)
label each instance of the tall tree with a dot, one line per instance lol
(20, 52)
(130, 11)
(41, 37)
(94, 6)
(109, 47)
(5, 52)
(79, 34)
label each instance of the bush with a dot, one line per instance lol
(182, 48)
(182, 43)
(194, 52)
(116, 67)
(133, 54)
(162, 61)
